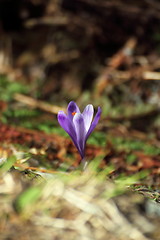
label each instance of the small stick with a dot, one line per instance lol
(37, 103)
(151, 75)
(38, 169)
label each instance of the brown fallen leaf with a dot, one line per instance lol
(146, 161)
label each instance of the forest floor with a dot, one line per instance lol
(44, 193)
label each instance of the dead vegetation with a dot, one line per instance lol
(79, 209)
(102, 52)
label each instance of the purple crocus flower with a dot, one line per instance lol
(79, 125)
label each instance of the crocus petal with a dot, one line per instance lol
(79, 126)
(88, 116)
(72, 110)
(78, 122)
(67, 125)
(94, 123)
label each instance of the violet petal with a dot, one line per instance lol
(94, 123)
(78, 122)
(72, 109)
(88, 116)
(67, 126)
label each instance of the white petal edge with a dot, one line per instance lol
(88, 116)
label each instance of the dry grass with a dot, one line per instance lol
(72, 206)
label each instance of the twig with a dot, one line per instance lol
(56, 21)
(151, 75)
(37, 103)
(38, 169)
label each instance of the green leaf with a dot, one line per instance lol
(27, 198)
(6, 166)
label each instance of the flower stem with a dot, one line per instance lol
(83, 164)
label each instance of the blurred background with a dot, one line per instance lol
(66, 48)
(103, 52)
